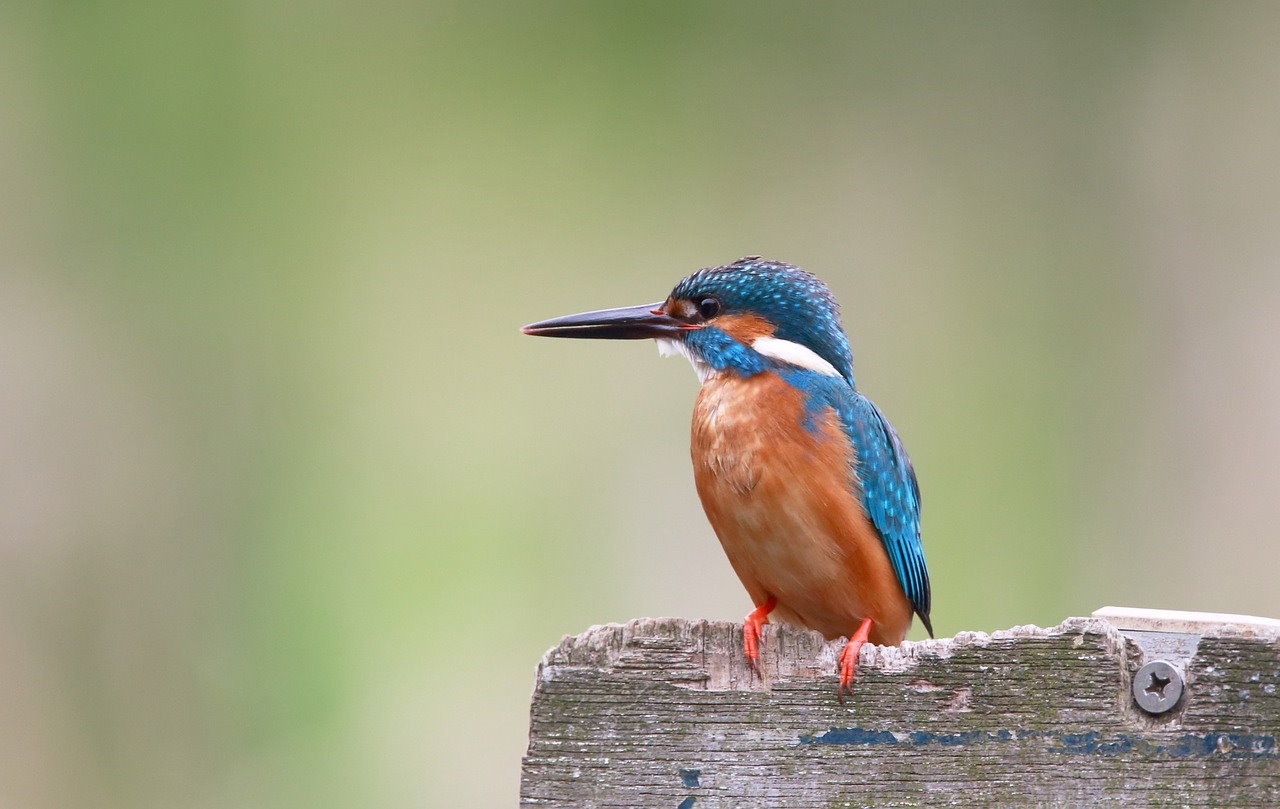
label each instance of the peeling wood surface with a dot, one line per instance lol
(664, 713)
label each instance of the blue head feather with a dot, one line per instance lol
(800, 307)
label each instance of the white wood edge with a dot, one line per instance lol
(1192, 623)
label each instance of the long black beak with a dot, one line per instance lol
(627, 323)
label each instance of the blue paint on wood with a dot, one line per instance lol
(858, 736)
(1092, 743)
(687, 803)
(921, 738)
(690, 777)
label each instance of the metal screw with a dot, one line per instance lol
(1157, 686)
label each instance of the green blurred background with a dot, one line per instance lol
(290, 509)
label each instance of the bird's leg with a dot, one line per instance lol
(849, 656)
(751, 625)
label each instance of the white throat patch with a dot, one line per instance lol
(670, 347)
(793, 354)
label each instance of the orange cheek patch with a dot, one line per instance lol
(680, 308)
(743, 328)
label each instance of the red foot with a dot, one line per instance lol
(849, 656)
(751, 625)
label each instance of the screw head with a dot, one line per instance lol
(1157, 686)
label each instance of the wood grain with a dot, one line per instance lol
(663, 713)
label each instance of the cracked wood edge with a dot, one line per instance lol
(664, 712)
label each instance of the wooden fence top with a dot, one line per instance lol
(665, 713)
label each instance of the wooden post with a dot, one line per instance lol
(664, 713)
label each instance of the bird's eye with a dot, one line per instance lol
(708, 308)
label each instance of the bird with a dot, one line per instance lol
(805, 483)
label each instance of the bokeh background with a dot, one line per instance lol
(289, 509)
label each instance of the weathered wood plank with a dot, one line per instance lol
(663, 712)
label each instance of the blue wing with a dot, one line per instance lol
(889, 492)
(890, 495)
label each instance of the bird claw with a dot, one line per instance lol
(752, 629)
(847, 664)
(846, 667)
(752, 645)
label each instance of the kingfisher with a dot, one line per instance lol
(803, 480)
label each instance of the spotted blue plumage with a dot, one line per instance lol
(799, 306)
(890, 495)
(723, 353)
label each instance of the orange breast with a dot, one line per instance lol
(782, 500)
